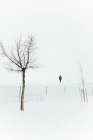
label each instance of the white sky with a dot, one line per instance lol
(64, 34)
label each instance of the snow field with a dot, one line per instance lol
(64, 119)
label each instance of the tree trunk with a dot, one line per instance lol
(84, 94)
(23, 90)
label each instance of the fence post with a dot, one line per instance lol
(64, 91)
(19, 93)
(46, 90)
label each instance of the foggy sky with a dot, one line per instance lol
(64, 33)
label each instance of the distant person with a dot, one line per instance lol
(60, 78)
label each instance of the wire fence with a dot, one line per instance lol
(41, 92)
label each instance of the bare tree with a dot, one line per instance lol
(83, 89)
(21, 57)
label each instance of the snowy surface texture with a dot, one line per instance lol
(46, 118)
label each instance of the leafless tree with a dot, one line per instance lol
(83, 89)
(21, 57)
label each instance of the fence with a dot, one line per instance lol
(41, 92)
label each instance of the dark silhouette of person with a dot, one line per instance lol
(60, 78)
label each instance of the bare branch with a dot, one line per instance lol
(82, 75)
(9, 57)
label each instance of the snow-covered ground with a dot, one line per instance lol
(65, 118)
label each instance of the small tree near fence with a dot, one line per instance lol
(83, 90)
(21, 57)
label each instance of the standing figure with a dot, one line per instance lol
(60, 78)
